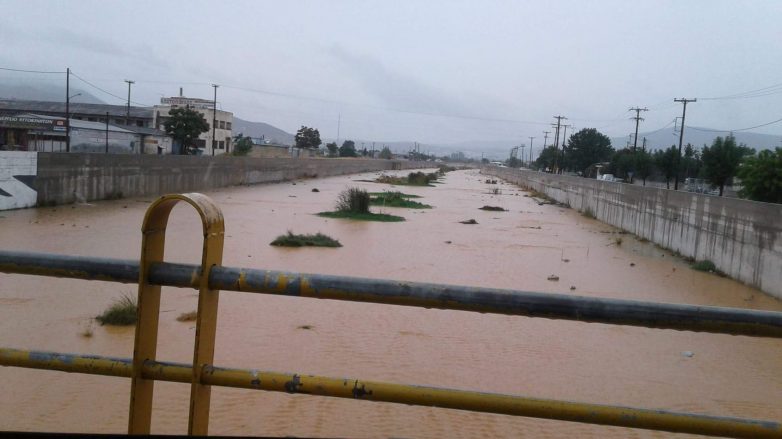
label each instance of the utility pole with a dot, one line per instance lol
(214, 120)
(530, 151)
(545, 137)
(559, 122)
(68, 109)
(127, 114)
(339, 122)
(681, 138)
(556, 144)
(637, 119)
(644, 146)
(107, 132)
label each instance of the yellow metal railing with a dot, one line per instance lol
(209, 277)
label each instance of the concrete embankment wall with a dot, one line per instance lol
(68, 178)
(743, 238)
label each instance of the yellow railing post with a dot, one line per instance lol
(145, 346)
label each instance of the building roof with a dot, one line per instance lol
(87, 125)
(9, 105)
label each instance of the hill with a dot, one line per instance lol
(44, 92)
(260, 129)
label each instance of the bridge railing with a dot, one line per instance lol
(151, 272)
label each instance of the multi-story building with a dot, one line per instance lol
(207, 145)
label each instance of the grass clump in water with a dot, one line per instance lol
(493, 208)
(187, 316)
(382, 217)
(397, 199)
(353, 203)
(316, 240)
(413, 179)
(123, 312)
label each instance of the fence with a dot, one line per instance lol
(150, 273)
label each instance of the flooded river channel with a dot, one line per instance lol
(518, 249)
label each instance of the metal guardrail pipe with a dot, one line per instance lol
(401, 393)
(553, 306)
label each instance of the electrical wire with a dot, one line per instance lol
(738, 129)
(765, 91)
(30, 71)
(104, 91)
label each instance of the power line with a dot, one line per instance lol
(104, 91)
(738, 129)
(765, 91)
(31, 71)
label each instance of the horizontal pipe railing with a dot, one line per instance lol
(352, 388)
(734, 321)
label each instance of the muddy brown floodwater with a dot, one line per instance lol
(519, 249)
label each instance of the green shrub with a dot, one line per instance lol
(397, 199)
(123, 312)
(316, 240)
(353, 200)
(704, 266)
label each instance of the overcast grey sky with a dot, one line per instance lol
(431, 71)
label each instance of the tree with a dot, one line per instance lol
(348, 149)
(385, 153)
(665, 161)
(761, 176)
(547, 158)
(585, 148)
(691, 161)
(722, 159)
(332, 148)
(513, 162)
(623, 164)
(307, 138)
(184, 126)
(644, 164)
(242, 145)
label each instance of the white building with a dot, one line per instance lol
(222, 132)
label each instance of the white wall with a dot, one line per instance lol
(16, 168)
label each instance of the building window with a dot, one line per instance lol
(221, 144)
(222, 124)
(228, 125)
(139, 123)
(92, 119)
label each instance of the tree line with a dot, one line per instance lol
(588, 152)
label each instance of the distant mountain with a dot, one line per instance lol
(698, 137)
(260, 129)
(44, 92)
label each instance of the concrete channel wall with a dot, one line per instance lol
(743, 238)
(68, 178)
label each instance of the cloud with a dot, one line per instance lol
(395, 90)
